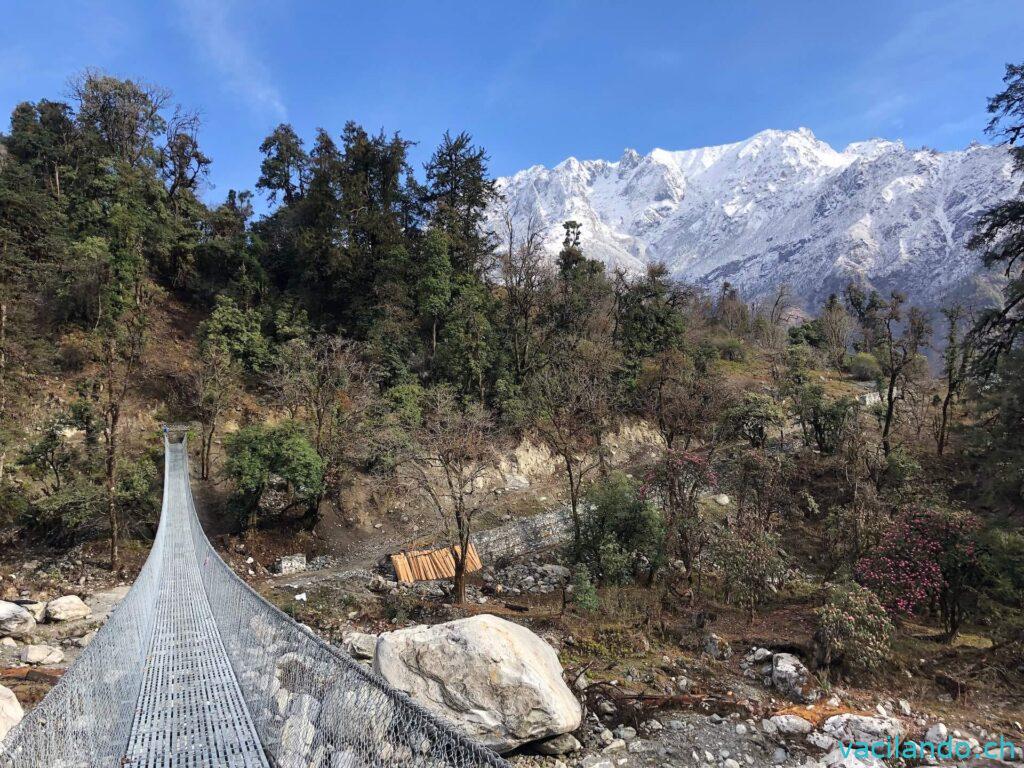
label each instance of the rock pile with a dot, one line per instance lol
(783, 671)
(525, 578)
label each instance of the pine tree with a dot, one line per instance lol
(284, 166)
(458, 193)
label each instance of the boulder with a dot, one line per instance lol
(361, 645)
(792, 678)
(289, 564)
(937, 734)
(849, 728)
(556, 572)
(67, 608)
(716, 647)
(497, 681)
(10, 711)
(516, 482)
(841, 758)
(722, 500)
(559, 745)
(15, 621)
(37, 609)
(84, 640)
(791, 725)
(41, 654)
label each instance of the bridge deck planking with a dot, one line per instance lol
(190, 711)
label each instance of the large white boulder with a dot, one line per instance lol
(67, 608)
(15, 621)
(10, 711)
(497, 681)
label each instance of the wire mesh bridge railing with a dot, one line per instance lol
(196, 669)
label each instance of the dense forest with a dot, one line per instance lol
(368, 326)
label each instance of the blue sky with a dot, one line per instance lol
(533, 81)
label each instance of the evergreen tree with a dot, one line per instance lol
(283, 170)
(434, 287)
(458, 193)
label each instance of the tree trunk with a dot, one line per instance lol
(459, 580)
(3, 358)
(944, 424)
(890, 409)
(207, 447)
(111, 466)
(574, 503)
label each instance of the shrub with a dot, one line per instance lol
(238, 332)
(752, 565)
(1003, 564)
(732, 350)
(754, 419)
(75, 351)
(808, 333)
(864, 367)
(853, 629)
(927, 558)
(584, 594)
(900, 469)
(256, 453)
(621, 532)
(406, 401)
(76, 512)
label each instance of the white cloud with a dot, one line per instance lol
(208, 24)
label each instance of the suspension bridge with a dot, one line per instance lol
(195, 669)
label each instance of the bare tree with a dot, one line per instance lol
(572, 399)
(527, 279)
(685, 398)
(326, 382)
(730, 310)
(836, 328)
(898, 352)
(957, 360)
(770, 316)
(449, 455)
(182, 163)
(213, 385)
(123, 346)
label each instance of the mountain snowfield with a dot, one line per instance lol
(780, 207)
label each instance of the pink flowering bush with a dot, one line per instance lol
(927, 561)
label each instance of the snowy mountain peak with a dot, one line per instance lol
(780, 206)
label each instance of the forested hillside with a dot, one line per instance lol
(369, 332)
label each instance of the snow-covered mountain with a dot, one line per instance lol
(780, 207)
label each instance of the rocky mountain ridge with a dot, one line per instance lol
(779, 207)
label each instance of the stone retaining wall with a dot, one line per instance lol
(521, 537)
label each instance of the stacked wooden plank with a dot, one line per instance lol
(431, 564)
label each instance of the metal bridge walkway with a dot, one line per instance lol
(190, 710)
(195, 670)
